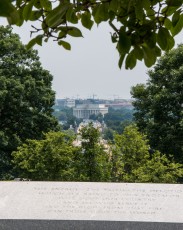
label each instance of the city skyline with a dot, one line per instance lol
(97, 97)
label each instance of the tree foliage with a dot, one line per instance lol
(159, 105)
(118, 119)
(49, 159)
(141, 29)
(56, 158)
(94, 160)
(132, 161)
(129, 160)
(97, 117)
(26, 97)
(65, 115)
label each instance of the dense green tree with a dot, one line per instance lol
(159, 105)
(56, 158)
(118, 119)
(61, 116)
(26, 97)
(108, 134)
(143, 28)
(49, 159)
(93, 160)
(66, 114)
(97, 117)
(118, 114)
(132, 162)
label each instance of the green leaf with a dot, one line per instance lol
(37, 4)
(44, 27)
(21, 20)
(74, 32)
(35, 15)
(131, 61)
(170, 10)
(31, 43)
(66, 45)
(95, 14)
(130, 5)
(86, 20)
(18, 2)
(178, 27)
(8, 10)
(28, 9)
(34, 41)
(149, 56)
(124, 43)
(176, 3)
(162, 35)
(121, 59)
(46, 4)
(164, 39)
(39, 39)
(151, 40)
(63, 28)
(104, 11)
(101, 12)
(170, 43)
(138, 53)
(157, 51)
(139, 10)
(62, 34)
(56, 16)
(114, 5)
(71, 15)
(175, 18)
(14, 18)
(146, 4)
(168, 23)
(150, 13)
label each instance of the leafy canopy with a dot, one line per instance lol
(49, 159)
(94, 160)
(159, 105)
(56, 158)
(132, 161)
(26, 97)
(141, 29)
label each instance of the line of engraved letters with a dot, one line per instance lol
(106, 200)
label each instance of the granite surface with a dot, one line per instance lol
(75, 205)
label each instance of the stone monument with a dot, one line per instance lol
(76, 205)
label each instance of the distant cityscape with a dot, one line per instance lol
(84, 108)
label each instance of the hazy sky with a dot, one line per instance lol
(90, 68)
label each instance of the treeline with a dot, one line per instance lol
(26, 98)
(159, 105)
(58, 157)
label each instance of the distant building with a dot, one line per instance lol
(120, 103)
(85, 110)
(67, 102)
(120, 106)
(60, 102)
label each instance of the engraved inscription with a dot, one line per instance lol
(91, 201)
(104, 201)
